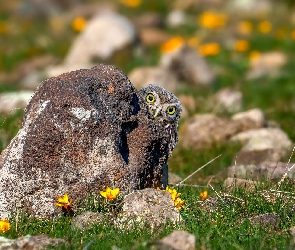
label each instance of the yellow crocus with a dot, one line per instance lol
(63, 201)
(209, 49)
(241, 45)
(178, 202)
(110, 194)
(4, 226)
(79, 24)
(204, 195)
(172, 44)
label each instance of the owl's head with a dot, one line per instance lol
(165, 108)
(163, 105)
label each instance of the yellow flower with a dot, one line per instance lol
(245, 27)
(4, 226)
(172, 44)
(254, 55)
(173, 193)
(204, 195)
(79, 24)
(264, 27)
(64, 202)
(293, 34)
(110, 194)
(178, 202)
(241, 45)
(212, 20)
(209, 49)
(131, 3)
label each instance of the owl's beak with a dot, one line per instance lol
(157, 112)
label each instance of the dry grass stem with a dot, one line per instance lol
(198, 170)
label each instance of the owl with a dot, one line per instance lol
(165, 108)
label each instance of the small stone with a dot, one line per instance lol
(268, 169)
(245, 157)
(232, 183)
(229, 100)
(11, 101)
(176, 18)
(149, 207)
(178, 240)
(87, 219)
(143, 76)
(265, 138)
(37, 242)
(255, 115)
(267, 64)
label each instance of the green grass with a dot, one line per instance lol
(226, 227)
(222, 228)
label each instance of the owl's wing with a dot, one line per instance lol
(173, 138)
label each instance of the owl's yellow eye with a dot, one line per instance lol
(150, 98)
(171, 110)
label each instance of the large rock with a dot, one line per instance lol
(228, 99)
(105, 34)
(205, 129)
(148, 207)
(188, 65)
(265, 138)
(143, 76)
(81, 131)
(255, 115)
